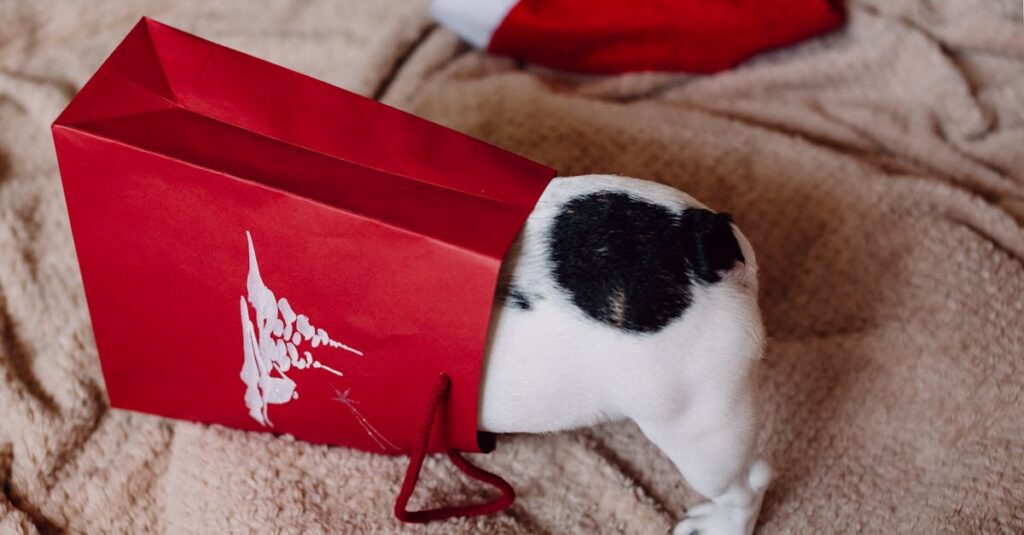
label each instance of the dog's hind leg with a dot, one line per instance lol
(715, 456)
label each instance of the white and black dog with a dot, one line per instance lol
(623, 298)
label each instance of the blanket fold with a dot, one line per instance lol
(878, 172)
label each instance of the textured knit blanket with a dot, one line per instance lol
(878, 171)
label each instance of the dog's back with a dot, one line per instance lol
(615, 288)
(628, 299)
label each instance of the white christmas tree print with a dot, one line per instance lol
(275, 346)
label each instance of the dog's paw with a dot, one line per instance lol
(710, 519)
(725, 518)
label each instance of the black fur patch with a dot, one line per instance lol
(631, 264)
(511, 296)
(515, 298)
(709, 244)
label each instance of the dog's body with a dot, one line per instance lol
(628, 299)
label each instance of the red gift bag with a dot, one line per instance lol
(264, 251)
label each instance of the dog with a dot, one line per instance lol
(623, 298)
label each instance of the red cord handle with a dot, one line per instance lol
(412, 474)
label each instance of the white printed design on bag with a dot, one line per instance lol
(275, 347)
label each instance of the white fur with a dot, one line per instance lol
(690, 387)
(474, 20)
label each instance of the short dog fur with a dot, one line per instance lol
(623, 298)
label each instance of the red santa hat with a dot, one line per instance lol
(612, 36)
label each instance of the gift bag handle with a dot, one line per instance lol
(412, 474)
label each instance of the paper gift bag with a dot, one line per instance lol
(265, 251)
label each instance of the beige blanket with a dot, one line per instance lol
(879, 173)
